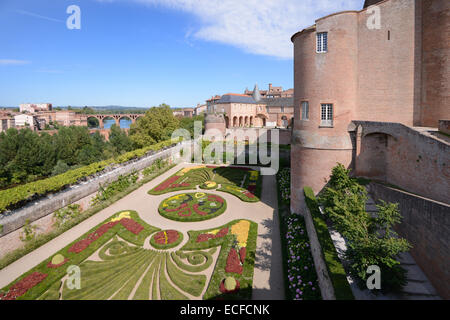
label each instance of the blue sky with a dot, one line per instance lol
(146, 52)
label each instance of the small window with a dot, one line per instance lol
(327, 115)
(305, 110)
(322, 42)
(282, 109)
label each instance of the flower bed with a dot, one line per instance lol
(166, 239)
(236, 259)
(192, 207)
(301, 281)
(76, 252)
(209, 177)
(22, 286)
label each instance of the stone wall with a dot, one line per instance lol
(444, 126)
(410, 158)
(426, 224)
(49, 204)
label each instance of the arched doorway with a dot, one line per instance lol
(240, 121)
(246, 121)
(234, 121)
(284, 122)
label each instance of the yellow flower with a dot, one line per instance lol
(125, 214)
(199, 195)
(210, 184)
(214, 232)
(240, 230)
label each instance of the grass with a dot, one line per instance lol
(42, 239)
(197, 264)
(335, 268)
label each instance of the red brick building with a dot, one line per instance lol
(346, 69)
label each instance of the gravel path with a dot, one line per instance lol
(268, 275)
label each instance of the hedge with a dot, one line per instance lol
(15, 196)
(335, 268)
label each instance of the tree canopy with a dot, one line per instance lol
(157, 125)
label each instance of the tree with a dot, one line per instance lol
(120, 140)
(157, 125)
(188, 123)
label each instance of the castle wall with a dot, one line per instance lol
(386, 73)
(426, 225)
(435, 97)
(413, 160)
(323, 78)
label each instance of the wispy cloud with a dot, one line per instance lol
(35, 15)
(13, 62)
(47, 70)
(256, 26)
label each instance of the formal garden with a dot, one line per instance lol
(242, 182)
(124, 257)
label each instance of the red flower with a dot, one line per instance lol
(166, 237)
(207, 236)
(195, 207)
(213, 197)
(242, 254)
(54, 266)
(21, 287)
(131, 225)
(183, 214)
(164, 185)
(249, 194)
(233, 264)
(84, 243)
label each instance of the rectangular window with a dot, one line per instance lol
(326, 115)
(282, 109)
(322, 42)
(305, 110)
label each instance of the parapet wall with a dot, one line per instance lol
(426, 224)
(45, 206)
(410, 158)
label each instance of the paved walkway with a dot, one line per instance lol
(268, 274)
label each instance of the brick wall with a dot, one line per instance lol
(426, 224)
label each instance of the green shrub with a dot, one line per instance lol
(370, 240)
(28, 233)
(12, 197)
(64, 215)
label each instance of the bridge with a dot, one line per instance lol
(116, 117)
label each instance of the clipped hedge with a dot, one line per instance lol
(15, 196)
(335, 268)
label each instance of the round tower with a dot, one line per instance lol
(215, 121)
(325, 87)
